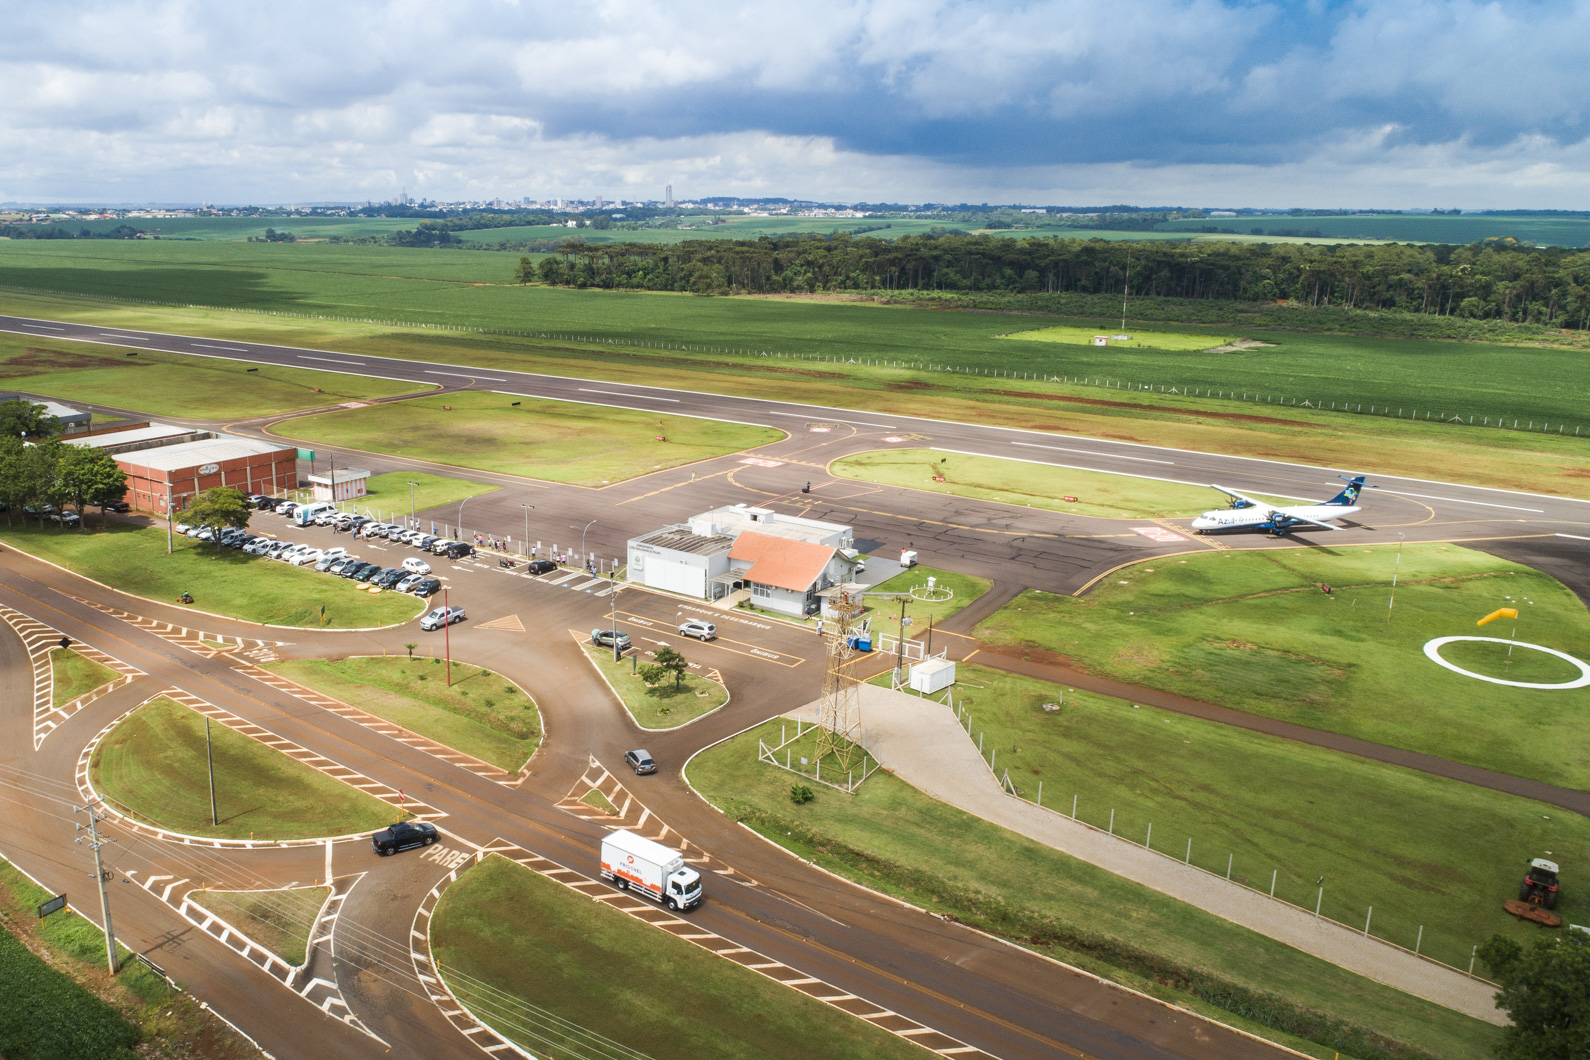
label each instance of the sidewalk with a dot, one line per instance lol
(919, 740)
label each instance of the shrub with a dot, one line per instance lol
(800, 794)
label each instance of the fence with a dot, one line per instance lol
(764, 753)
(1504, 421)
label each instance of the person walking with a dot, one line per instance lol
(819, 627)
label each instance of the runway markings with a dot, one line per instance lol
(197, 641)
(1158, 533)
(749, 959)
(39, 639)
(386, 728)
(511, 623)
(335, 770)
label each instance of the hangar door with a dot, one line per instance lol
(676, 577)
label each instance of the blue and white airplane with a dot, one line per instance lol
(1246, 513)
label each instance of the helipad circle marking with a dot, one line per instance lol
(1433, 650)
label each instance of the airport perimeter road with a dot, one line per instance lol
(361, 995)
(1422, 509)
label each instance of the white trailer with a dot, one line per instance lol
(635, 862)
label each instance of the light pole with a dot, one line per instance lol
(411, 504)
(447, 639)
(461, 516)
(582, 539)
(1395, 570)
(526, 541)
(612, 622)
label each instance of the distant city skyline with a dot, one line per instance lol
(1262, 103)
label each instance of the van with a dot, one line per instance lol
(305, 514)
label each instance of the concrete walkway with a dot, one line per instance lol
(920, 741)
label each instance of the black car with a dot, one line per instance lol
(424, 544)
(428, 587)
(402, 836)
(391, 577)
(369, 574)
(115, 506)
(352, 570)
(267, 504)
(459, 550)
(541, 566)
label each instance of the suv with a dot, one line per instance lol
(541, 566)
(442, 616)
(402, 836)
(1540, 884)
(115, 506)
(427, 587)
(391, 577)
(698, 629)
(603, 638)
(458, 550)
(640, 761)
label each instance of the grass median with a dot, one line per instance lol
(1252, 629)
(153, 766)
(225, 581)
(393, 496)
(664, 705)
(481, 714)
(892, 837)
(557, 973)
(75, 675)
(584, 445)
(964, 588)
(280, 920)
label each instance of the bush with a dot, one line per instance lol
(800, 794)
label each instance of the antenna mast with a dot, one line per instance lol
(840, 718)
(1125, 285)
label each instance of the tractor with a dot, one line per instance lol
(1540, 884)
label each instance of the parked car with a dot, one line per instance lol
(275, 549)
(395, 532)
(306, 557)
(640, 761)
(287, 508)
(203, 533)
(65, 518)
(339, 563)
(698, 629)
(408, 537)
(181, 528)
(370, 573)
(541, 566)
(416, 565)
(408, 581)
(390, 577)
(426, 541)
(427, 587)
(352, 567)
(603, 638)
(369, 530)
(442, 616)
(439, 545)
(458, 550)
(115, 506)
(403, 836)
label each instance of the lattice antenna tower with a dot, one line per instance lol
(840, 721)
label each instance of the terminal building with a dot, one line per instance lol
(166, 479)
(780, 562)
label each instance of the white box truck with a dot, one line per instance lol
(635, 862)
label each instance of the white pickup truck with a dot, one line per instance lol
(635, 862)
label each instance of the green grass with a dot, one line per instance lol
(49, 1017)
(391, 492)
(169, 384)
(1271, 805)
(75, 675)
(229, 229)
(227, 582)
(1414, 228)
(501, 927)
(1034, 485)
(481, 714)
(1140, 339)
(891, 837)
(152, 765)
(660, 706)
(586, 445)
(597, 801)
(281, 921)
(1252, 630)
(887, 612)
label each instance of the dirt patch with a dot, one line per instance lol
(913, 385)
(1238, 346)
(1238, 417)
(34, 361)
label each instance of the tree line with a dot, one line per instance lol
(54, 231)
(39, 471)
(1494, 280)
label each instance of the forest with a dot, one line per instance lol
(1495, 280)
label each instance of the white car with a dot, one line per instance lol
(369, 530)
(325, 518)
(305, 557)
(698, 629)
(411, 537)
(442, 616)
(415, 565)
(183, 528)
(335, 552)
(326, 560)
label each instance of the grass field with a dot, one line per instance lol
(1413, 228)
(1139, 340)
(660, 706)
(281, 921)
(965, 588)
(47, 1015)
(1031, 484)
(133, 558)
(231, 229)
(169, 384)
(152, 766)
(576, 972)
(893, 838)
(392, 494)
(74, 675)
(1252, 630)
(586, 445)
(481, 714)
(1403, 842)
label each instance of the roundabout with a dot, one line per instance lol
(1432, 649)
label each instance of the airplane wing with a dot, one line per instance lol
(1247, 500)
(1304, 519)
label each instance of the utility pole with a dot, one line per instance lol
(411, 504)
(169, 547)
(899, 645)
(94, 843)
(447, 638)
(209, 760)
(612, 622)
(582, 540)
(526, 541)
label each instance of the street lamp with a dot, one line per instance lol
(582, 538)
(411, 503)
(612, 622)
(526, 541)
(461, 516)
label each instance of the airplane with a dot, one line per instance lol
(1246, 513)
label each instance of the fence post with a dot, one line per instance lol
(1188, 858)
(1367, 918)
(1073, 807)
(1112, 820)
(1040, 793)
(1273, 874)
(1420, 941)
(1229, 859)
(1317, 902)
(1149, 842)
(993, 756)
(1472, 955)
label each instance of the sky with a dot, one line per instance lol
(1367, 104)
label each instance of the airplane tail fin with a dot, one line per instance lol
(1349, 496)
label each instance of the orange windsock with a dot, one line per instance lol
(1504, 612)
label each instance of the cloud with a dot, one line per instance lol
(1057, 100)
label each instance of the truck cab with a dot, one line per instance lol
(633, 862)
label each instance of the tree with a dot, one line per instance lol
(218, 507)
(13, 475)
(670, 661)
(1546, 992)
(91, 476)
(24, 419)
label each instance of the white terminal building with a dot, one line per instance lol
(780, 562)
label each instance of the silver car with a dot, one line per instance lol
(698, 629)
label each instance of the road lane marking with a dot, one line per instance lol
(46, 327)
(229, 349)
(853, 423)
(466, 375)
(622, 393)
(1461, 500)
(330, 360)
(130, 338)
(1089, 452)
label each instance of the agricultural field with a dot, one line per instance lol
(239, 229)
(170, 384)
(153, 766)
(480, 713)
(516, 948)
(585, 445)
(1253, 630)
(1410, 228)
(132, 557)
(891, 837)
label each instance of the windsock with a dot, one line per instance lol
(1504, 612)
